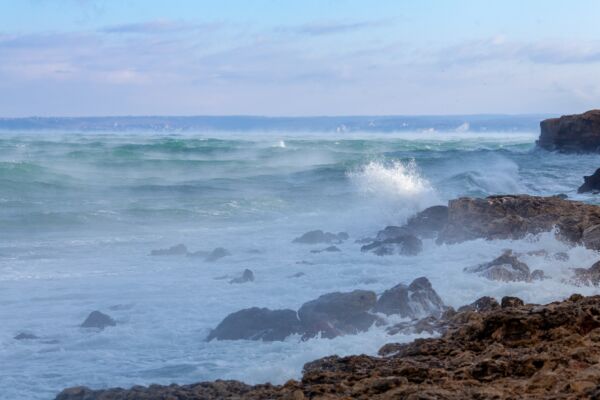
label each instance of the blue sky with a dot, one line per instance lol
(267, 57)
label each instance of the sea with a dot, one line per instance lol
(84, 202)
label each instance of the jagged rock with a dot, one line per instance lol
(330, 249)
(509, 301)
(428, 325)
(177, 250)
(537, 275)
(579, 133)
(522, 352)
(428, 222)
(591, 183)
(408, 245)
(25, 336)
(587, 276)
(247, 276)
(515, 216)
(561, 256)
(482, 304)
(98, 320)
(318, 236)
(506, 268)
(257, 324)
(413, 301)
(217, 254)
(335, 314)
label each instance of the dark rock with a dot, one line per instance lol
(96, 319)
(413, 301)
(428, 325)
(482, 304)
(591, 183)
(579, 133)
(318, 236)
(428, 222)
(335, 314)
(561, 196)
(514, 217)
(537, 275)
(403, 244)
(25, 336)
(509, 301)
(297, 275)
(257, 324)
(587, 276)
(247, 276)
(506, 268)
(330, 249)
(176, 250)
(561, 256)
(217, 254)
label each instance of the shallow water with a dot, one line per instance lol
(80, 213)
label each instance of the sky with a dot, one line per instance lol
(298, 58)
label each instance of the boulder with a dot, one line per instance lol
(404, 244)
(318, 236)
(482, 304)
(515, 216)
(247, 276)
(579, 133)
(25, 336)
(335, 314)
(177, 250)
(330, 249)
(591, 183)
(506, 268)
(217, 254)
(510, 301)
(428, 222)
(413, 301)
(98, 320)
(587, 276)
(257, 324)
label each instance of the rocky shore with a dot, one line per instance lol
(579, 133)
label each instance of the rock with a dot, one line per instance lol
(579, 133)
(330, 249)
(257, 324)
(336, 314)
(509, 301)
(561, 256)
(520, 352)
(247, 276)
(561, 196)
(318, 236)
(176, 250)
(515, 216)
(217, 254)
(587, 276)
(428, 325)
(428, 222)
(297, 275)
(98, 320)
(25, 336)
(413, 301)
(537, 275)
(506, 268)
(482, 304)
(591, 183)
(408, 245)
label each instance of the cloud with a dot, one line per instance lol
(333, 27)
(156, 27)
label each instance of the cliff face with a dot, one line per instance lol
(579, 133)
(508, 352)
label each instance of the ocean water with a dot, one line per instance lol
(80, 212)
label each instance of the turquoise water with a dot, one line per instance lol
(80, 213)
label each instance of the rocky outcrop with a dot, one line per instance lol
(591, 183)
(586, 276)
(247, 276)
(336, 314)
(512, 352)
(98, 320)
(318, 236)
(579, 133)
(257, 324)
(506, 268)
(177, 250)
(515, 216)
(403, 244)
(25, 336)
(413, 301)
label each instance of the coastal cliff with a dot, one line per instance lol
(579, 133)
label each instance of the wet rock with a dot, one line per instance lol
(330, 249)
(247, 276)
(561, 256)
(506, 268)
(217, 254)
(413, 301)
(297, 275)
(537, 275)
(257, 324)
(98, 320)
(579, 133)
(561, 196)
(336, 314)
(408, 245)
(428, 325)
(509, 301)
(25, 336)
(591, 183)
(176, 250)
(482, 304)
(318, 236)
(587, 276)
(428, 222)
(515, 216)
